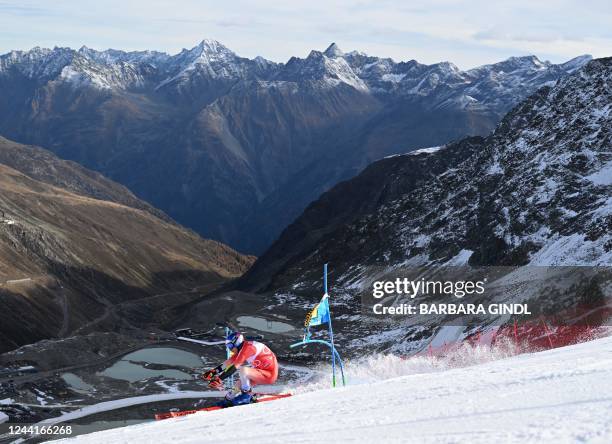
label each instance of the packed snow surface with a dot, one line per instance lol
(561, 395)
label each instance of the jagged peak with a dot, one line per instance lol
(212, 46)
(528, 60)
(91, 53)
(576, 63)
(513, 63)
(33, 52)
(262, 61)
(355, 53)
(87, 50)
(204, 48)
(314, 54)
(333, 51)
(208, 51)
(445, 66)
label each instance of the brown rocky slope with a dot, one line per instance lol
(70, 261)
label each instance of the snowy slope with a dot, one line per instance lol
(561, 395)
(536, 191)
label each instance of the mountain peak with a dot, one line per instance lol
(313, 55)
(333, 51)
(206, 52)
(211, 46)
(446, 67)
(528, 60)
(577, 62)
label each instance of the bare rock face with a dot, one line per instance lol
(75, 247)
(237, 148)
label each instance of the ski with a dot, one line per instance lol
(262, 397)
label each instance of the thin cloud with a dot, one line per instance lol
(19, 9)
(468, 33)
(536, 36)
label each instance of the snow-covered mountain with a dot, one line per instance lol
(537, 192)
(114, 69)
(329, 68)
(526, 398)
(211, 59)
(186, 131)
(445, 85)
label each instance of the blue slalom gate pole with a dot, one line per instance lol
(325, 279)
(307, 338)
(331, 331)
(334, 351)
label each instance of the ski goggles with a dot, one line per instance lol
(234, 341)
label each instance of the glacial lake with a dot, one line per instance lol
(129, 368)
(76, 383)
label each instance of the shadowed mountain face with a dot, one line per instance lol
(537, 191)
(42, 165)
(76, 249)
(237, 148)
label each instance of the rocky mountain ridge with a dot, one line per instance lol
(187, 131)
(537, 191)
(532, 201)
(115, 69)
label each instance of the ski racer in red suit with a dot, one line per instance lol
(256, 365)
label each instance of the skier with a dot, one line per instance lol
(256, 365)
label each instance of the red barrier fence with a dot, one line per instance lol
(568, 327)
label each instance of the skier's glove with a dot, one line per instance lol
(216, 383)
(210, 374)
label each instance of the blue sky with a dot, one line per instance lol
(468, 33)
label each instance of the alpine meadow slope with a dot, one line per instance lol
(75, 246)
(236, 148)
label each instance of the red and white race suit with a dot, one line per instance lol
(256, 363)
